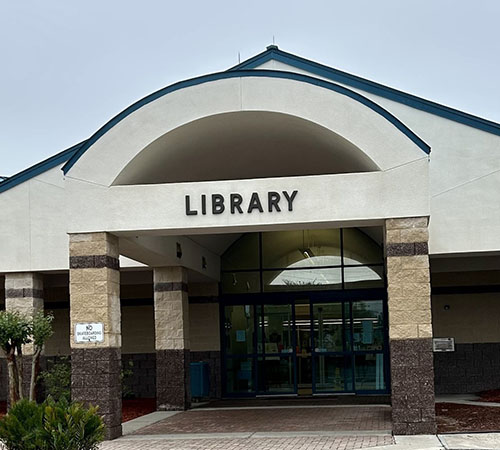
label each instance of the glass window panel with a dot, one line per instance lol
(359, 248)
(363, 277)
(276, 374)
(333, 373)
(302, 280)
(240, 282)
(239, 329)
(368, 325)
(276, 329)
(243, 254)
(328, 327)
(239, 375)
(369, 372)
(302, 248)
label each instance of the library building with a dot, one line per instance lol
(298, 230)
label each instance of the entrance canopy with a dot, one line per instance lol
(384, 140)
(157, 166)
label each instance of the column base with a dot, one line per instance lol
(412, 378)
(172, 380)
(95, 380)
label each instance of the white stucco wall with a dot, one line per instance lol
(33, 226)
(464, 176)
(459, 188)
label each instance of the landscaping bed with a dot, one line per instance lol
(490, 396)
(454, 418)
(131, 409)
(137, 407)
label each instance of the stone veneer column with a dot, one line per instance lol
(24, 294)
(95, 297)
(410, 326)
(171, 306)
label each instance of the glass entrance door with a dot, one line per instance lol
(275, 343)
(305, 346)
(332, 364)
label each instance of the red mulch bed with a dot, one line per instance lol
(131, 408)
(490, 396)
(452, 418)
(137, 407)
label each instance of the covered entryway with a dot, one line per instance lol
(304, 312)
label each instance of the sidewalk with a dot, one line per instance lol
(303, 440)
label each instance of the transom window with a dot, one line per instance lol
(302, 260)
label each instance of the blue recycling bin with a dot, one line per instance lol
(199, 373)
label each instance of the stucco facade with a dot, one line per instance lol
(132, 229)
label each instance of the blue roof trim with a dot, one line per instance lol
(371, 87)
(39, 168)
(242, 74)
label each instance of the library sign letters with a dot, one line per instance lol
(235, 203)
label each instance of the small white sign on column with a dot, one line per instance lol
(89, 332)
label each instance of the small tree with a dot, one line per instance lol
(15, 331)
(41, 331)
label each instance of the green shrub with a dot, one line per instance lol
(126, 376)
(20, 428)
(70, 426)
(57, 379)
(51, 426)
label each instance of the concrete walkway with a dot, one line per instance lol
(306, 441)
(290, 440)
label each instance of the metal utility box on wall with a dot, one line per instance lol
(200, 379)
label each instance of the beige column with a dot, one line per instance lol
(410, 326)
(95, 305)
(24, 294)
(171, 307)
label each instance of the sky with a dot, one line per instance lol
(67, 67)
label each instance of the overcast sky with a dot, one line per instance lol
(67, 67)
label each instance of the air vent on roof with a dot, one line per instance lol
(3, 178)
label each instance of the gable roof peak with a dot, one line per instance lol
(272, 52)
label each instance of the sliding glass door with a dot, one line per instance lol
(304, 345)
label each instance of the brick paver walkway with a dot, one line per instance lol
(292, 443)
(274, 420)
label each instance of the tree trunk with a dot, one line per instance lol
(13, 377)
(20, 372)
(35, 370)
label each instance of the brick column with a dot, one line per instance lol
(24, 294)
(171, 338)
(95, 298)
(410, 326)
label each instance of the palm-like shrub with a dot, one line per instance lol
(51, 426)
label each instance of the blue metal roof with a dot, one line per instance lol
(39, 168)
(70, 155)
(242, 74)
(274, 53)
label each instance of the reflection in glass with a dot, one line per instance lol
(240, 282)
(359, 248)
(239, 327)
(275, 329)
(302, 280)
(300, 248)
(328, 327)
(239, 375)
(276, 374)
(367, 325)
(363, 277)
(333, 373)
(243, 254)
(369, 372)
